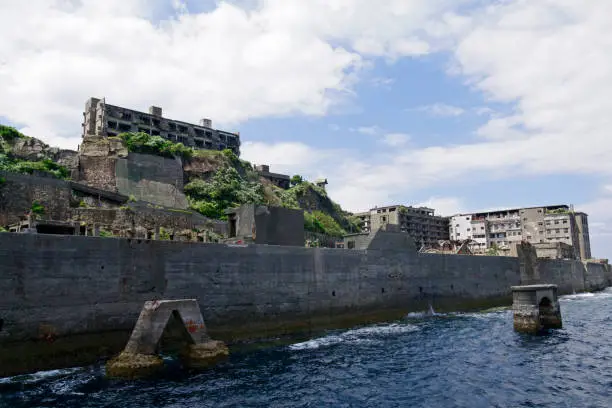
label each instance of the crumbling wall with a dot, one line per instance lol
(139, 215)
(18, 192)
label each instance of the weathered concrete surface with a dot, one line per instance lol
(86, 293)
(139, 356)
(536, 308)
(155, 179)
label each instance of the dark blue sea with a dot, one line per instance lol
(451, 360)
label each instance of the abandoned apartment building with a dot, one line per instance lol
(536, 225)
(420, 223)
(102, 119)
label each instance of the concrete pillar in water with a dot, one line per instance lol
(139, 358)
(536, 308)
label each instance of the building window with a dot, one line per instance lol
(469, 229)
(351, 245)
(111, 124)
(182, 129)
(566, 230)
(384, 219)
(124, 127)
(557, 231)
(209, 134)
(556, 222)
(565, 221)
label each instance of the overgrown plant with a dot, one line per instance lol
(14, 165)
(144, 143)
(37, 208)
(226, 189)
(9, 133)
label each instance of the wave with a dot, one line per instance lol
(364, 335)
(606, 293)
(39, 376)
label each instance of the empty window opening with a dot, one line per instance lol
(232, 231)
(55, 229)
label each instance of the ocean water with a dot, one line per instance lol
(424, 360)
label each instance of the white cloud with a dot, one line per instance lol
(396, 139)
(483, 110)
(549, 60)
(367, 130)
(382, 82)
(272, 57)
(440, 109)
(445, 206)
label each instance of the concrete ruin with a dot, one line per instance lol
(536, 308)
(260, 224)
(140, 356)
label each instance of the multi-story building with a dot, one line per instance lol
(102, 119)
(558, 223)
(420, 222)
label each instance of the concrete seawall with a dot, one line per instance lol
(67, 299)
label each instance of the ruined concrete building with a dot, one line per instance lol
(544, 224)
(419, 222)
(102, 119)
(279, 180)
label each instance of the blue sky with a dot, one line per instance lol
(460, 105)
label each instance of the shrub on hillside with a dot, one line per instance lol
(144, 143)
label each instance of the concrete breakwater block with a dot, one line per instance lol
(536, 308)
(139, 358)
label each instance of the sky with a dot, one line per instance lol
(460, 105)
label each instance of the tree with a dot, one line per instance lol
(296, 179)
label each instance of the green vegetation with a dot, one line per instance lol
(105, 234)
(493, 251)
(2, 180)
(132, 198)
(318, 221)
(2, 229)
(10, 163)
(37, 208)
(163, 234)
(10, 133)
(226, 189)
(144, 143)
(296, 179)
(15, 165)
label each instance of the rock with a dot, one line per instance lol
(131, 366)
(99, 146)
(205, 355)
(30, 149)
